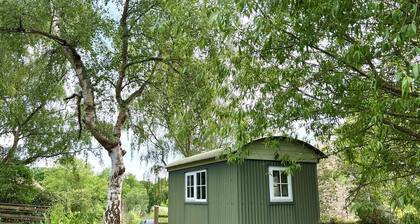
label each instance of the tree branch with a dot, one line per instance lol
(12, 151)
(157, 59)
(33, 158)
(50, 36)
(356, 191)
(404, 130)
(124, 52)
(88, 98)
(32, 114)
(87, 91)
(136, 93)
(79, 111)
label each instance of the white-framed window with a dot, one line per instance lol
(196, 186)
(280, 184)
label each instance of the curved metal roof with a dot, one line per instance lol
(215, 154)
(292, 140)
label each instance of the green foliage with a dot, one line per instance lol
(226, 71)
(61, 215)
(344, 71)
(135, 198)
(157, 193)
(333, 189)
(80, 195)
(370, 209)
(30, 113)
(16, 184)
(410, 218)
(133, 218)
(149, 58)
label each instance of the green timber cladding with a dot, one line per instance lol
(240, 194)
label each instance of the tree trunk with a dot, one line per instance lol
(113, 209)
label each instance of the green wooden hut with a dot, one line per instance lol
(205, 189)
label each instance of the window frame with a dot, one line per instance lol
(187, 175)
(274, 198)
(195, 185)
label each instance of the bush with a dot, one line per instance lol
(370, 213)
(16, 184)
(63, 216)
(79, 195)
(410, 218)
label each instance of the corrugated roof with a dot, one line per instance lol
(202, 156)
(214, 154)
(289, 139)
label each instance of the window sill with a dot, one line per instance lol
(286, 202)
(196, 202)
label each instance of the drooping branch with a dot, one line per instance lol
(79, 111)
(157, 145)
(412, 118)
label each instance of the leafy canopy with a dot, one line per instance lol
(345, 71)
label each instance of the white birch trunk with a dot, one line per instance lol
(113, 209)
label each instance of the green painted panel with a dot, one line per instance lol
(222, 205)
(254, 196)
(223, 195)
(176, 197)
(196, 213)
(307, 205)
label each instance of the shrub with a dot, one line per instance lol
(16, 184)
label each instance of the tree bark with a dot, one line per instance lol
(113, 210)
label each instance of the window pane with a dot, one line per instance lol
(283, 177)
(192, 192)
(190, 180)
(203, 178)
(277, 190)
(284, 190)
(203, 192)
(276, 176)
(198, 178)
(198, 193)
